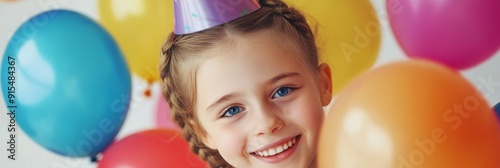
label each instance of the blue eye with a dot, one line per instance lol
(231, 111)
(282, 91)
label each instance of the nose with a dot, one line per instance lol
(268, 120)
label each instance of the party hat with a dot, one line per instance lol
(197, 15)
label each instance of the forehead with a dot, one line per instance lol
(266, 50)
(244, 63)
(271, 37)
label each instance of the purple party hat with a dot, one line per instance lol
(197, 15)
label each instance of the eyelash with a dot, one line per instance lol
(229, 108)
(289, 89)
(226, 111)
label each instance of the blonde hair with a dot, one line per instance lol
(180, 58)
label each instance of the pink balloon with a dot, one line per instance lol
(163, 119)
(458, 33)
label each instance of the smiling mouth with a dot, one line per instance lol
(285, 146)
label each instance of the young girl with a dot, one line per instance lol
(249, 92)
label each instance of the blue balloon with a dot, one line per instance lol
(66, 82)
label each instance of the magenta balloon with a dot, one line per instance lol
(458, 33)
(162, 115)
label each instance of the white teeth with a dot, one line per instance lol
(272, 152)
(277, 150)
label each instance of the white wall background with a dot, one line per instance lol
(486, 77)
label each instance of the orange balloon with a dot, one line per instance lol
(410, 114)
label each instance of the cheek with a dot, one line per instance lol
(309, 112)
(311, 117)
(230, 143)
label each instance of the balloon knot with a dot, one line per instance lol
(93, 159)
(147, 93)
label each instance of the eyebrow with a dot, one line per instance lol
(220, 101)
(282, 76)
(271, 81)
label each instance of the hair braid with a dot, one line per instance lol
(178, 107)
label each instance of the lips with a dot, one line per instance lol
(277, 149)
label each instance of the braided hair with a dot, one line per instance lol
(180, 58)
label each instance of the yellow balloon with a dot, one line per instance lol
(348, 35)
(139, 27)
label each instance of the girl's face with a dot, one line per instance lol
(259, 106)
